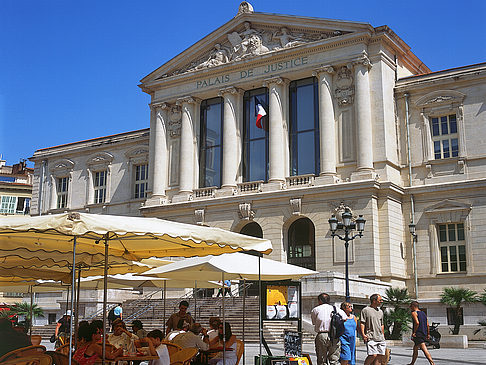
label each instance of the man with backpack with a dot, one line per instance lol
(328, 321)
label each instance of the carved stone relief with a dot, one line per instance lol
(245, 212)
(252, 41)
(199, 216)
(296, 206)
(175, 117)
(245, 8)
(344, 87)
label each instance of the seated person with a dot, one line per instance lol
(176, 317)
(230, 354)
(214, 323)
(182, 327)
(156, 347)
(121, 338)
(89, 350)
(11, 339)
(192, 338)
(137, 328)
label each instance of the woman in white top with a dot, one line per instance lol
(230, 353)
(214, 323)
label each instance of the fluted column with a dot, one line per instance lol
(276, 109)
(363, 115)
(327, 129)
(188, 133)
(158, 153)
(231, 155)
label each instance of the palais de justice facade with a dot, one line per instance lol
(354, 119)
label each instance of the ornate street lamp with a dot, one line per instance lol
(347, 225)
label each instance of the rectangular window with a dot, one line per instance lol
(141, 181)
(304, 127)
(211, 142)
(452, 247)
(99, 187)
(255, 140)
(8, 204)
(444, 136)
(62, 192)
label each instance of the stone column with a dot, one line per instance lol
(364, 138)
(187, 153)
(327, 124)
(53, 201)
(276, 110)
(231, 149)
(158, 153)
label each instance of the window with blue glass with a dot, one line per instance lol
(255, 140)
(301, 249)
(445, 136)
(211, 143)
(304, 127)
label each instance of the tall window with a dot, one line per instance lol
(211, 150)
(301, 250)
(100, 187)
(255, 140)
(304, 127)
(62, 192)
(8, 204)
(452, 247)
(141, 181)
(252, 229)
(445, 136)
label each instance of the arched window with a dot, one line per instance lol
(301, 250)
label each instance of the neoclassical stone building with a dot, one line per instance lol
(354, 119)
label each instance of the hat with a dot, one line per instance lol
(68, 312)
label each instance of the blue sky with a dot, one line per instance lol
(69, 69)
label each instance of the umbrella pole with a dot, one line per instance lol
(105, 295)
(260, 327)
(78, 290)
(31, 289)
(195, 300)
(224, 320)
(244, 306)
(165, 287)
(73, 283)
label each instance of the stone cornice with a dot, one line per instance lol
(447, 187)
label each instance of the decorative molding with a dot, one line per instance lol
(159, 105)
(245, 212)
(275, 80)
(199, 216)
(188, 100)
(296, 206)
(363, 60)
(175, 118)
(440, 98)
(62, 168)
(101, 159)
(344, 91)
(326, 69)
(230, 90)
(245, 8)
(138, 154)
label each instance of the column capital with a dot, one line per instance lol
(323, 69)
(159, 105)
(188, 100)
(230, 90)
(362, 60)
(275, 80)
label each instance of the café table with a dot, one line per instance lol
(130, 359)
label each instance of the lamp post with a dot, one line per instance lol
(413, 231)
(347, 225)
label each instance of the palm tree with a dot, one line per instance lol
(24, 309)
(397, 299)
(455, 297)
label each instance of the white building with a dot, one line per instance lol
(342, 99)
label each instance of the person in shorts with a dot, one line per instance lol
(420, 333)
(372, 331)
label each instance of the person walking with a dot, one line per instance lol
(327, 349)
(420, 332)
(372, 331)
(348, 339)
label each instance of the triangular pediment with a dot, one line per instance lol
(250, 35)
(447, 206)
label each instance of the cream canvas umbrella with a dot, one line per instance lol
(132, 238)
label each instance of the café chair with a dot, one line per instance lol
(184, 356)
(171, 347)
(36, 339)
(23, 351)
(35, 359)
(64, 349)
(58, 358)
(240, 349)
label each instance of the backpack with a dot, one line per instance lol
(336, 327)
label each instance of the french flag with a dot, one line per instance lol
(260, 112)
